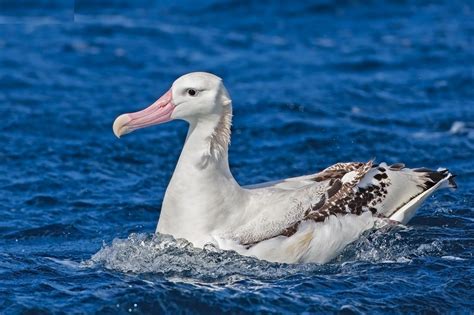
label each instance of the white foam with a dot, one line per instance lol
(453, 258)
(178, 260)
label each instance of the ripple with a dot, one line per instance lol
(50, 230)
(42, 200)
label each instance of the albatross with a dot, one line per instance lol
(296, 220)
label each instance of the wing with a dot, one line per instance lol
(279, 208)
(355, 188)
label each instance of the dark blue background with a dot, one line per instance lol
(313, 83)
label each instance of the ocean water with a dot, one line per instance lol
(313, 83)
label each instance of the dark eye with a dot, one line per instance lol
(192, 92)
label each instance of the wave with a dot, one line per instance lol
(462, 128)
(51, 230)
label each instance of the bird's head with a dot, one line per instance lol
(194, 96)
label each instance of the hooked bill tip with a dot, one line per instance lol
(120, 123)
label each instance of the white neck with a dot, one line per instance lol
(202, 191)
(207, 142)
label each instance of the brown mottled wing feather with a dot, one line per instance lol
(338, 196)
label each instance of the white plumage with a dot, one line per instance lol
(304, 219)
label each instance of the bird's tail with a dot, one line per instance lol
(400, 191)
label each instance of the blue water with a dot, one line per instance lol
(312, 84)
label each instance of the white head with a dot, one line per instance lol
(192, 97)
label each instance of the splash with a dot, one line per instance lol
(177, 258)
(390, 244)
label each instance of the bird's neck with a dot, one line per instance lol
(202, 188)
(207, 142)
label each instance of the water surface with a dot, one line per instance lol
(312, 83)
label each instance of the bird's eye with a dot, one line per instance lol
(192, 92)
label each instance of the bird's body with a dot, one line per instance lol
(304, 219)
